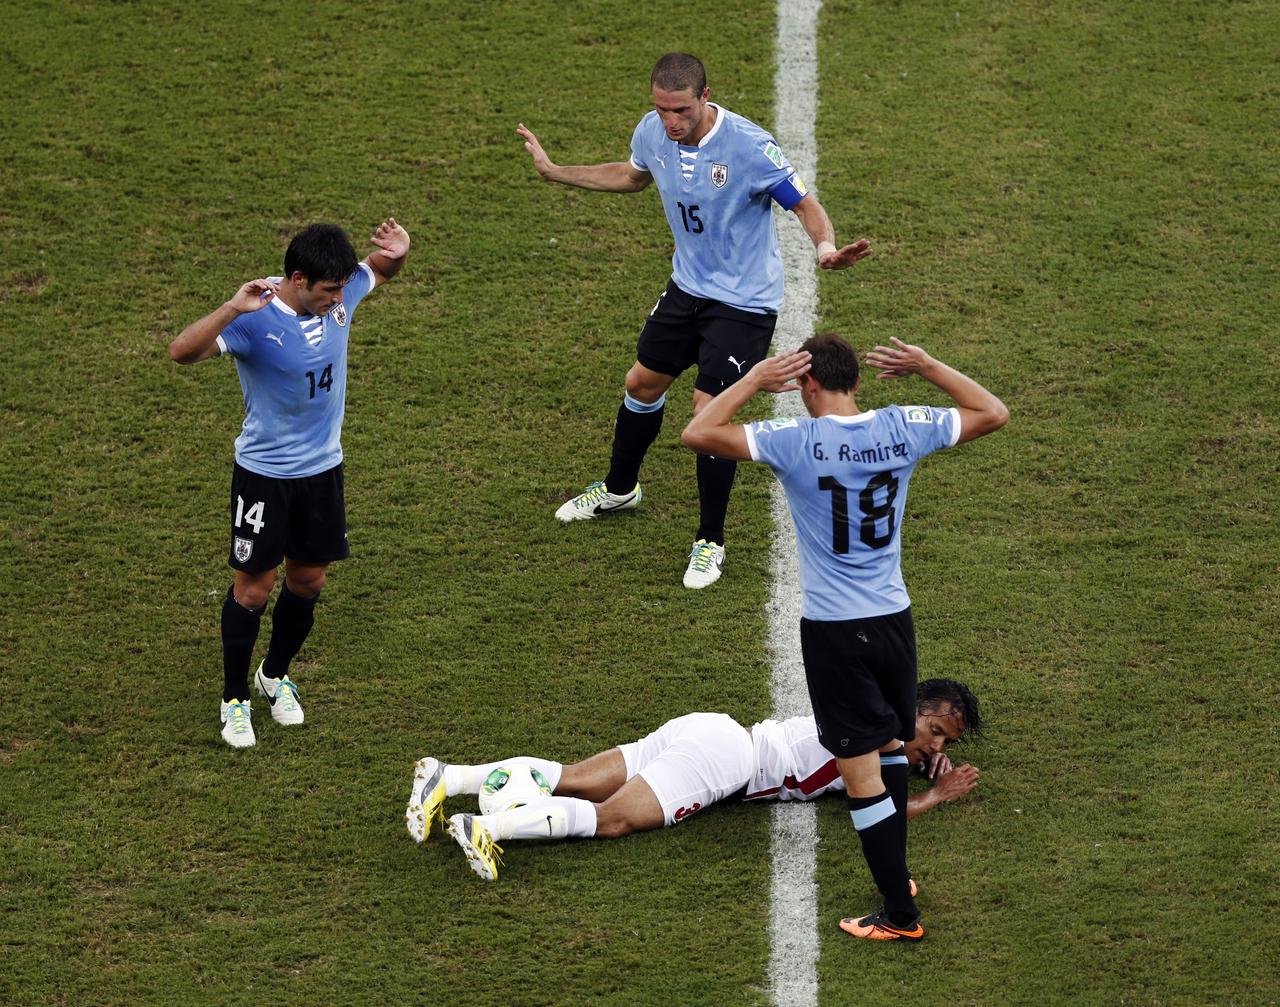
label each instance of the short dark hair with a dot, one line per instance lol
(834, 365)
(678, 71)
(321, 252)
(933, 693)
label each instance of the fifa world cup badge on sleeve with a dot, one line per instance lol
(919, 414)
(243, 549)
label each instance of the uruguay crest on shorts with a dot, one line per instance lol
(243, 549)
(339, 314)
(719, 174)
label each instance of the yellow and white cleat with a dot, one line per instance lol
(596, 501)
(426, 798)
(237, 723)
(483, 854)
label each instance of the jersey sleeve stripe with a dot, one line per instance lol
(955, 427)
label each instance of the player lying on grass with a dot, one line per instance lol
(687, 764)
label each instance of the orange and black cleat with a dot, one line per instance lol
(877, 927)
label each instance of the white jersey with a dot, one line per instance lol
(790, 763)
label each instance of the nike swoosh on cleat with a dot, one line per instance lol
(602, 509)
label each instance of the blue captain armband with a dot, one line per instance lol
(789, 191)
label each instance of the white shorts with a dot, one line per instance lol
(692, 762)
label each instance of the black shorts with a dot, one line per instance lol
(304, 519)
(862, 681)
(683, 330)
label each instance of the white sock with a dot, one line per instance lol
(468, 779)
(549, 818)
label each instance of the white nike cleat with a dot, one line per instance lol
(282, 694)
(483, 854)
(426, 798)
(237, 727)
(706, 563)
(596, 501)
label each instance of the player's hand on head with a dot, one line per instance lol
(843, 258)
(253, 295)
(777, 374)
(898, 360)
(391, 239)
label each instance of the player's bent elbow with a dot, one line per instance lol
(694, 439)
(1000, 417)
(991, 419)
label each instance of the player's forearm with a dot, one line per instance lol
(384, 265)
(617, 176)
(198, 341)
(713, 423)
(813, 218)
(918, 804)
(964, 391)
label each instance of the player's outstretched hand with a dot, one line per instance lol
(391, 239)
(898, 360)
(956, 783)
(776, 374)
(843, 258)
(541, 163)
(253, 295)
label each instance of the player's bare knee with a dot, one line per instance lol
(253, 590)
(643, 387)
(305, 583)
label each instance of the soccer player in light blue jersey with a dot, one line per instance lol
(845, 472)
(719, 176)
(288, 337)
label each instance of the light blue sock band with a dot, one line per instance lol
(636, 406)
(864, 818)
(893, 760)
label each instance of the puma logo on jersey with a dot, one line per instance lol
(276, 339)
(734, 361)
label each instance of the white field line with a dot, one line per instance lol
(793, 916)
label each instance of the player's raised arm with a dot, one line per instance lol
(980, 411)
(392, 244)
(813, 218)
(616, 176)
(198, 341)
(712, 430)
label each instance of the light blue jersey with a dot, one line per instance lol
(718, 198)
(846, 482)
(293, 373)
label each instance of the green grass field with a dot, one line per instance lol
(1073, 202)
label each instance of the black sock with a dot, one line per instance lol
(632, 434)
(894, 771)
(239, 634)
(715, 480)
(875, 818)
(291, 621)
